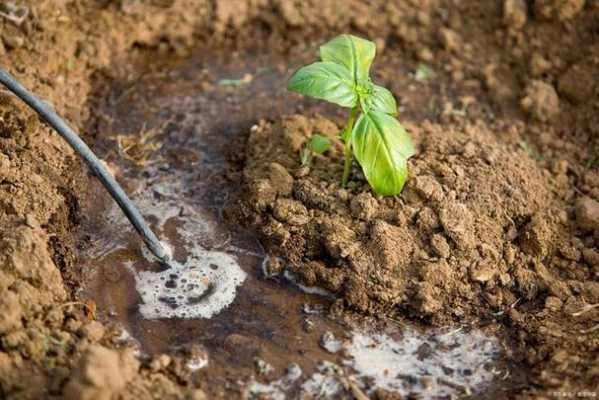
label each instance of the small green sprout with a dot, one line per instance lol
(423, 72)
(378, 141)
(247, 78)
(317, 144)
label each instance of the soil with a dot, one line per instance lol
(498, 224)
(462, 238)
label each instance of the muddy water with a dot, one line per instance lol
(168, 134)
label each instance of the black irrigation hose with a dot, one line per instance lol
(115, 190)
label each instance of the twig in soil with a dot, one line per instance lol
(515, 303)
(398, 322)
(590, 330)
(353, 387)
(14, 13)
(90, 306)
(580, 192)
(451, 333)
(585, 309)
(247, 78)
(97, 167)
(139, 148)
(464, 389)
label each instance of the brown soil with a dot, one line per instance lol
(479, 234)
(474, 214)
(499, 221)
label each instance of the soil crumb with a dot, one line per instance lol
(102, 374)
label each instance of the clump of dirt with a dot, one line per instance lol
(102, 374)
(30, 281)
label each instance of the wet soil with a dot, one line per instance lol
(195, 117)
(179, 141)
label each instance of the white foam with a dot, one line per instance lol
(275, 390)
(271, 391)
(162, 198)
(206, 283)
(201, 288)
(424, 365)
(431, 365)
(124, 336)
(330, 343)
(324, 384)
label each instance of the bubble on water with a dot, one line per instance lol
(433, 365)
(184, 292)
(325, 383)
(207, 282)
(275, 390)
(124, 336)
(272, 391)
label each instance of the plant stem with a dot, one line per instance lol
(349, 127)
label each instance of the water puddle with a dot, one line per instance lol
(260, 336)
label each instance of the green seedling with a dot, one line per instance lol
(317, 144)
(247, 78)
(372, 134)
(423, 73)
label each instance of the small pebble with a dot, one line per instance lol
(13, 42)
(330, 343)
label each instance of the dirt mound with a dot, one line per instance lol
(482, 232)
(460, 241)
(30, 281)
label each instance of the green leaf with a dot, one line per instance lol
(380, 100)
(319, 144)
(326, 81)
(354, 53)
(382, 147)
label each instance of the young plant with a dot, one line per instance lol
(372, 133)
(317, 144)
